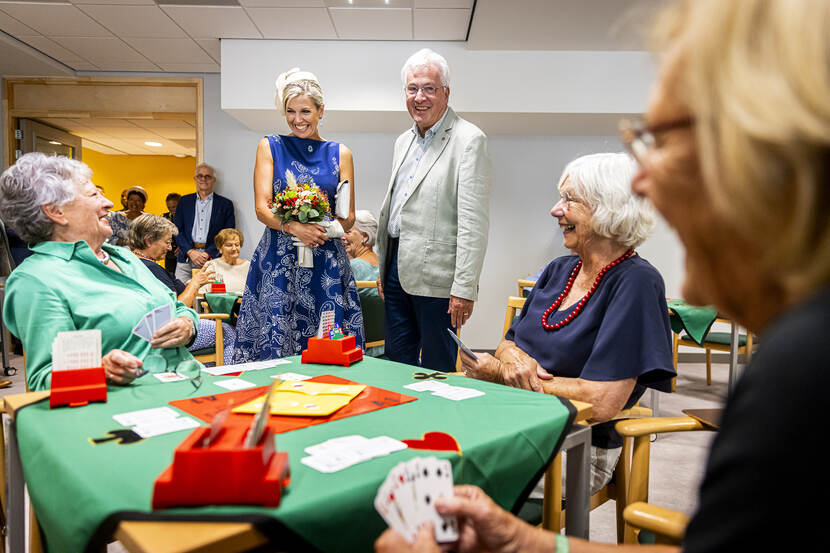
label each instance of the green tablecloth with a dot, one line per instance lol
(221, 303)
(695, 320)
(507, 437)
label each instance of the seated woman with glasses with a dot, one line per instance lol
(595, 328)
(228, 266)
(151, 237)
(74, 280)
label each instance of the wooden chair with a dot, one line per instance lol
(373, 315)
(553, 515)
(525, 286)
(717, 341)
(215, 354)
(664, 525)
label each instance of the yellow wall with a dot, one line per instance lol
(159, 175)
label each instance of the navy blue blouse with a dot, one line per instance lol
(622, 332)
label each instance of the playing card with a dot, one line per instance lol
(161, 316)
(427, 386)
(142, 329)
(158, 428)
(388, 509)
(457, 393)
(145, 416)
(234, 384)
(401, 486)
(433, 481)
(169, 377)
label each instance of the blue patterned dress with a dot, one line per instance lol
(282, 303)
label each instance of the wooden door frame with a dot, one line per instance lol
(10, 114)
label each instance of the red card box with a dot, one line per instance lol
(328, 351)
(225, 473)
(217, 288)
(77, 387)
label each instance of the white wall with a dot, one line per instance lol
(523, 236)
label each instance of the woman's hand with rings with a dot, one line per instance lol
(177, 332)
(484, 367)
(120, 367)
(309, 234)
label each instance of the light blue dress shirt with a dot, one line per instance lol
(201, 220)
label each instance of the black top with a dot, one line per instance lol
(176, 285)
(764, 488)
(622, 332)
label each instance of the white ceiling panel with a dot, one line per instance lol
(116, 2)
(55, 19)
(443, 3)
(54, 50)
(369, 4)
(211, 67)
(441, 24)
(100, 148)
(293, 23)
(170, 50)
(12, 26)
(135, 21)
(372, 23)
(100, 50)
(213, 21)
(282, 3)
(212, 46)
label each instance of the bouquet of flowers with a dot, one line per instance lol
(305, 203)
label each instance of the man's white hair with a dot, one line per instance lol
(424, 58)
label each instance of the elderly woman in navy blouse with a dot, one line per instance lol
(595, 327)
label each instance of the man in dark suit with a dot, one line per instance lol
(199, 217)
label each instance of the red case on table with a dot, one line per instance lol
(225, 473)
(332, 351)
(77, 387)
(217, 288)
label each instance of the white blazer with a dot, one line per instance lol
(445, 219)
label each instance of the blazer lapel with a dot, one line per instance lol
(436, 147)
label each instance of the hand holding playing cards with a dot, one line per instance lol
(177, 332)
(484, 526)
(120, 367)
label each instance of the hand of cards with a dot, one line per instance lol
(152, 321)
(406, 499)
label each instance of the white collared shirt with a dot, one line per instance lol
(404, 180)
(201, 220)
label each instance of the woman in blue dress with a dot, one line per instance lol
(282, 304)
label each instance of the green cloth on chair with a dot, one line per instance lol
(373, 320)
(722, 338)
(695, 320)
(221, 303)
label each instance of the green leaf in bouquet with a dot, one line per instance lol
(313, 213)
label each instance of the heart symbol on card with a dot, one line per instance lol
(436, 441)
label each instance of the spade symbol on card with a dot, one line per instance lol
(122, 435)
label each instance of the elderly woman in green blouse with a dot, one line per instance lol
(74, 280)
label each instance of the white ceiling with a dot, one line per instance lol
(183, 35)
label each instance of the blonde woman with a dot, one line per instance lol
(283, 302)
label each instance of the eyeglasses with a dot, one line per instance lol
(640, 139)
(569, 200)
(204, 177)
(188, 369)
(428, 90)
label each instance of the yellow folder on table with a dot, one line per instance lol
(303, 398)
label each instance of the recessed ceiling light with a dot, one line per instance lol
(179, 155)
(55, 142)
(153, 144)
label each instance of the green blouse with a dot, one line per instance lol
(63, 286)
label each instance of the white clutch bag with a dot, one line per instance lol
(342, 199)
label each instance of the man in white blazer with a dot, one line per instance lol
(432, 232)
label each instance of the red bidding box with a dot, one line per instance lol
(225, 473)
(328, 351)
(217, 288)
(77, 387)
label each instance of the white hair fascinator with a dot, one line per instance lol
(287, 78)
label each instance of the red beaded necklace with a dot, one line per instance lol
(585, 298)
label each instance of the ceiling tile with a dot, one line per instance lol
(12, 26)
(368, 4)
(372, 23)
(55, 19)
(135, 21)
(444, 3)
(53, 49)
(213, 21)
(170, 50)
(116, 2)
(293, 23)
(211, 67)
(282, 3)
(100, 51)
(100, 148)
(441, 24)
(212, 46)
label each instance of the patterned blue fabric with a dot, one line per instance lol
(282, 303)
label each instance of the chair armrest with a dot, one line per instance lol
(366, 284)
(214, 316)
(636, 412)
(658, 425)
(664, 522)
